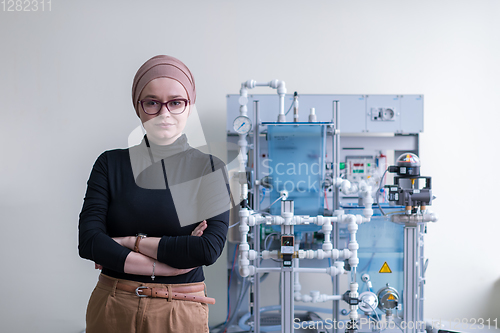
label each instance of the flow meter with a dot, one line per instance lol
(287, 249)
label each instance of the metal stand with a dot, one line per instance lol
(287, 301)
(410, 292)
(336, 206)
(256, 239)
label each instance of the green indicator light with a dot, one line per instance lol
(369, 164)
(342, 165)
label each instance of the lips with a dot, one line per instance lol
(164, 124)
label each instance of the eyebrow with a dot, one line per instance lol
(169, 97)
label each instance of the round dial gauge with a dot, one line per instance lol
(242, 125)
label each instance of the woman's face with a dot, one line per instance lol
(163, 128)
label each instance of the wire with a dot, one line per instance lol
(378, 192)
(374, 310)
(229, 284)
(244, 289)
(263, 195)
(326, 201)
(290, 107)
(275, 201)
(234, 225)
(267, 237)
(268, 207)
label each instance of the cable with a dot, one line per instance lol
(275, 201)
(234, 225)
(374, 310)
(291, 106)
(265, 240)
(243, 290)
(326, 201)
(229, 283)
(263, 194)
(378, 192)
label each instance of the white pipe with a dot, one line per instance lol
(315, 297)
(354, 308)
(332, 270)
(270, 254)
(365, 193)
(275, 84)
(327, 244)
(333, 254)
(346, 187)
(306, 220)
(242, 142)
(243, 260)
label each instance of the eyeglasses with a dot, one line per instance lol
(174, 106)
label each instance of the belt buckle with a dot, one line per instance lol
(140, 288)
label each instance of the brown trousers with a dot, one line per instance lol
(117, 311)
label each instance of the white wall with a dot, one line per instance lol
(65, 81)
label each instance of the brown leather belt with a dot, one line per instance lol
(172, 291)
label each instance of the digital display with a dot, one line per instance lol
(287, 241)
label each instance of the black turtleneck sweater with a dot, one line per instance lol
(161, 191)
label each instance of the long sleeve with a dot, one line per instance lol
(94, 242)
(213, 203)
(120, 203)
(192, 251)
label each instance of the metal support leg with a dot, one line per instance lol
(256, 299)
(411, 276)
(287, 280)
(336, 205)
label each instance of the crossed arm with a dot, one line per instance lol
(141, 263)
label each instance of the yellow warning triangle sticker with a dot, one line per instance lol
(391, 297)
(385, 268)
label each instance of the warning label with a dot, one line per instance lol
(385, 268)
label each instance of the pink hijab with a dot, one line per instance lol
(163, 66)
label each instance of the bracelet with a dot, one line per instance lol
(137, 240)
(153, 275)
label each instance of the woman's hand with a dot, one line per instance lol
(149, 245)
(198, 231)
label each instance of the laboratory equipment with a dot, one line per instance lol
(315, 199)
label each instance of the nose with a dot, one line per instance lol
(164, 111)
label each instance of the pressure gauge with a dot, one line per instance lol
(242, 125)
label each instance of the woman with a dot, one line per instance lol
(154, 214)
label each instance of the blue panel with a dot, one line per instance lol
(380, 241)
(296, 164)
